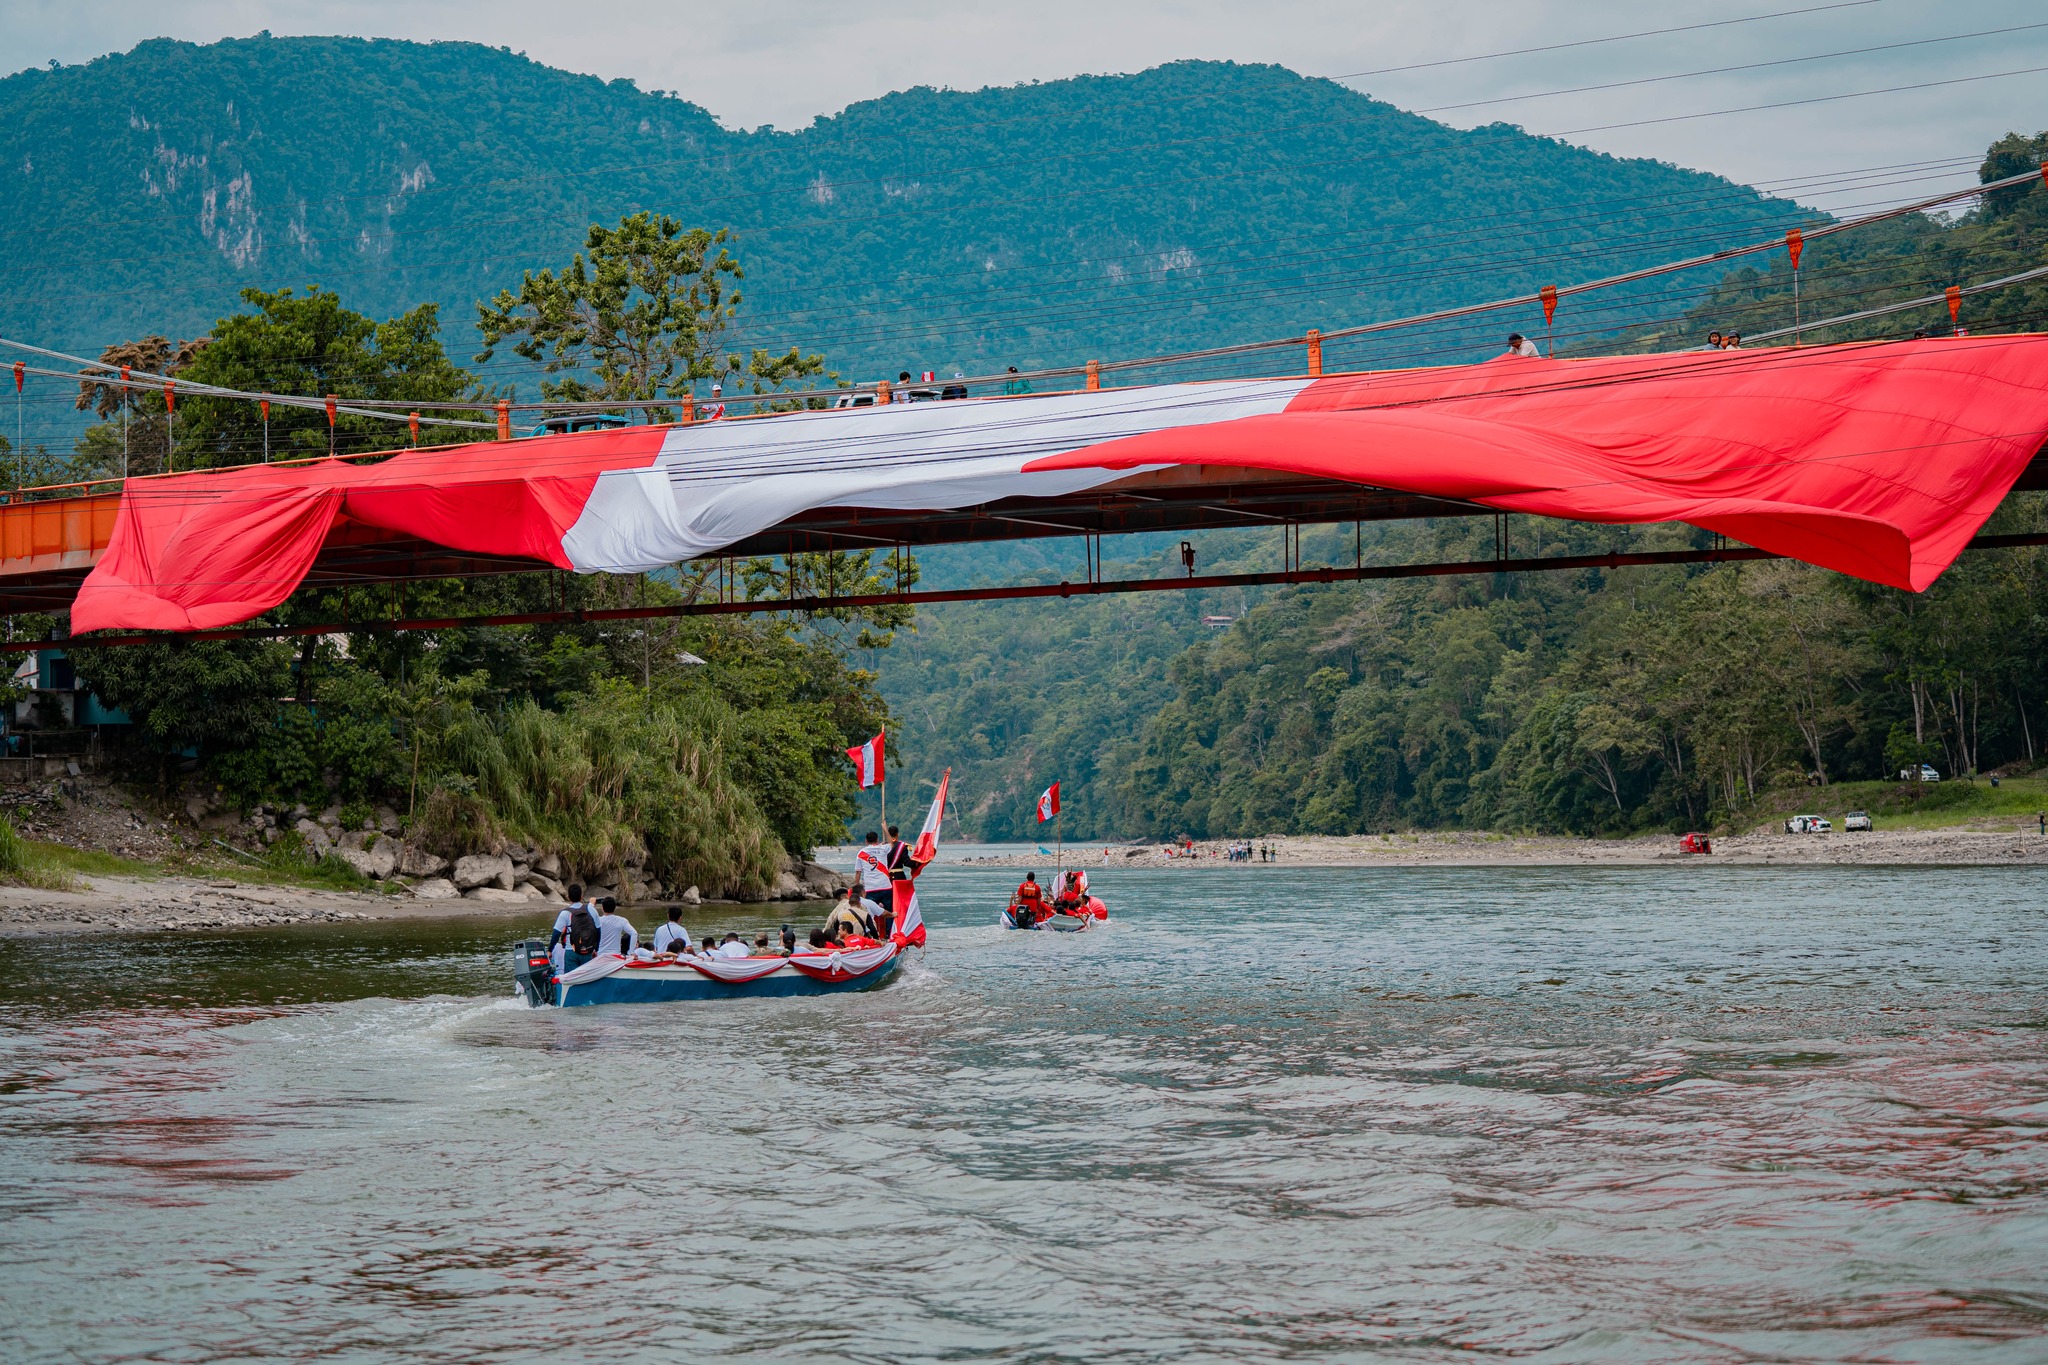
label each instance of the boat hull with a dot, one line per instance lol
(1057, 924)
(649, 984)
(660, 985)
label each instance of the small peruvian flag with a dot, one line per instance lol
(867, 761)
(1049, 803)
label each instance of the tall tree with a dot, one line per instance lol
(644, 312)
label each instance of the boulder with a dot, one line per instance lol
(376, 863)
(691, 896)
(786, 888)
(494, 895)
(484, 869)
(821, 882)
(387, 820)
(437, 889)
(317, 842)
(519, 853)
(549, 863)
(331, 817)
(520, 871)
(549, 887)
(349, 840)
(417, 862)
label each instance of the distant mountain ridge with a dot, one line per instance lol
(1188, 205)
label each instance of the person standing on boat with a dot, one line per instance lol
(562, 945)
(614, 933)
(900, 868)
(874, 872)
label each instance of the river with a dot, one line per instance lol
(1265, 1114)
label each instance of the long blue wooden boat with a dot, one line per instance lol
(622, 980)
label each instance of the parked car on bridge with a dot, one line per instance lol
(1856, 820)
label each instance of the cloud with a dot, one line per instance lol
(788, 63)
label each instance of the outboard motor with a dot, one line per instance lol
(533, 973)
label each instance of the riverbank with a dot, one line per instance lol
(1878, 848)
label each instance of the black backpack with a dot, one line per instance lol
(582, 930)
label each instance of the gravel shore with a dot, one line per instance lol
(1932, 848)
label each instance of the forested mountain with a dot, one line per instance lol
(1192, 204)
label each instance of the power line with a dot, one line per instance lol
(1612, 38)
(1728, 70)
(1793, 104)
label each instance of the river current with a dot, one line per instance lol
(1685, 1114)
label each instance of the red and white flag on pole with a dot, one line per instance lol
(927, 846)
(1049, 803)
(867, 761)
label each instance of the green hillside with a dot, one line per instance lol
(1192, 204)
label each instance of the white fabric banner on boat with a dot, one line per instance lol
(597, 969)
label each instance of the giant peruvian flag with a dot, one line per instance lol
(1876, 460)
(867, 760)
(1049, 803)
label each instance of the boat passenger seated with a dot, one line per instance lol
(732, 947)
(847, 916)
(1027, 905)
(672, 935)
(820, 941)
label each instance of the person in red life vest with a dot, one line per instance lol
(1071, 895)
(1027, 906)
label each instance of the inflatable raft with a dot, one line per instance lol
(1089, 913)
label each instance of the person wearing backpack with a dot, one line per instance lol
(575, 933)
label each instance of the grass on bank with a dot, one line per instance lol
(58, 867)
(23, 863)
(1950, 804)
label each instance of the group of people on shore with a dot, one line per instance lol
(1245, 851)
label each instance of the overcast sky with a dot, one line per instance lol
(788, 61)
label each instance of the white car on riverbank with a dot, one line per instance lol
(1809, 824)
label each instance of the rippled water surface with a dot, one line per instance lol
(1659, 1115)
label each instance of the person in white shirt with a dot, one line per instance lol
(1521, 345)
(672, 937)
(874, 871)
(614, 934)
